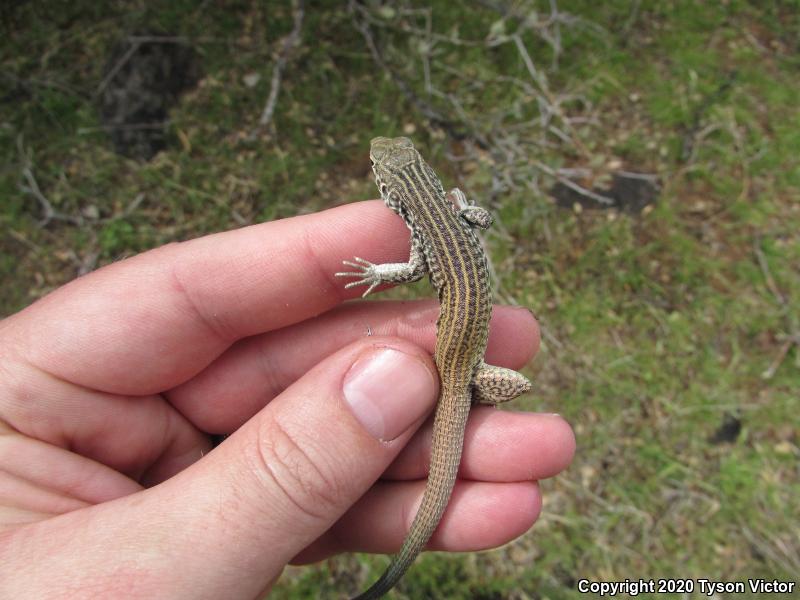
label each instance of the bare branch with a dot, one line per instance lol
(32, 188)
(50, 214)
(116, 68)
(289, 43)
(574, 186)
(433, 115)
(793, 337)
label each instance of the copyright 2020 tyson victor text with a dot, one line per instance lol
(634, 587)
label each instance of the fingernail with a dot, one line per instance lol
(388, 391)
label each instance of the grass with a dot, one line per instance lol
(662, 326)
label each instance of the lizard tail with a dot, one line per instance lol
(448, 425)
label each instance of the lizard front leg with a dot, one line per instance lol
(492, 385)
(373, 275)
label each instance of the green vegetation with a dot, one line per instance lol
(672, 333)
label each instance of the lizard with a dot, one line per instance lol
(444, 245)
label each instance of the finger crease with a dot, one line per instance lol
(213, 325)
(283, 457)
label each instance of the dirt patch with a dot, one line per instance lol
(628, 192)
(145, 75)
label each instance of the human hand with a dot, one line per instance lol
(111, 386)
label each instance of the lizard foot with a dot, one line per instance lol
(369, 273)
(492, 385)
(474, 215)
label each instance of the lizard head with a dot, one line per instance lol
(389, 156)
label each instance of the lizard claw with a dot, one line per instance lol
(366, 270)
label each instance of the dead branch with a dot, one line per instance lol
(32, 188)
(793, 337)
(289, 43)
(116, 68)
(427, 110)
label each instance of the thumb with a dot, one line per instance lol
(302, 462)
(227, 525)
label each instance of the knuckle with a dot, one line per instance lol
(297, 470)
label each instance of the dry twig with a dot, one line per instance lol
(32, 188)
(289, 43)
(499, 138)
(789, 339)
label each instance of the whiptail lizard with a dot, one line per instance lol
(444, 245)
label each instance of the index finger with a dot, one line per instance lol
(151, 322)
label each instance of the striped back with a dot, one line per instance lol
(455, 257)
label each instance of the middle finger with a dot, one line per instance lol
(253, 371)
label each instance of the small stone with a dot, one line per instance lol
(251, 79)
(91, 211)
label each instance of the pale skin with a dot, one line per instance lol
(111, 386)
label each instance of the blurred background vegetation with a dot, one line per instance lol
(641, 159)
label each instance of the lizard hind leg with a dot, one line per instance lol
(492, 385)
(474, 215)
